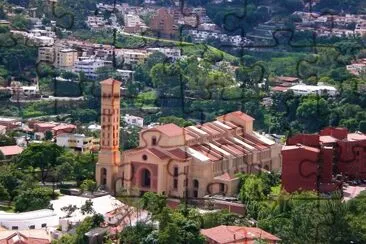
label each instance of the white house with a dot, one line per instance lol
(90, 66)
(29, 220)
(78, 142)
(133, 120)
(303, 89)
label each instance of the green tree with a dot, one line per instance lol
(69, 209)
(87, 207)
(136, 233)
(89, 185)
(48, 135)
(6, 140)
(41, 157)
(4, 195)
(33, 199)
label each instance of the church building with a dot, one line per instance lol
(193, 161)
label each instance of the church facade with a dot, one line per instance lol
(193, 161)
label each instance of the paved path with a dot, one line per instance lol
(350, 192)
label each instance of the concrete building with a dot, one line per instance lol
(77, 142)
(162, 23)
(303, 89)
(90, 65)
(134, 57)
(312, 161)
(29, 220)
(10, 151)
(65, 58)
(197, 160)
(133, 120)
(224, 234)
(10, 123)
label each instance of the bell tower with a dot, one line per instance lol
(109, 156)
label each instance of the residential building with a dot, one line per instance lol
(224, 234)
(78, 142)
(24, 237)
(172, 53)
(197, 160)
(162, 23)
(311, 161)
(10, 123)
(29, 220)
(133, 23)
(46, 54)
(303, 89)
(65, 58)
(126, 74)
(134, 56)
(133, 120)
(10, 151)
(358, 67)
(95, 21)
(89, 66)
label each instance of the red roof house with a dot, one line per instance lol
(237, 234)
(9, 151)
(19, 238)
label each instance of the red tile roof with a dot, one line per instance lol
(11, 150)
(18, 237)
(160, 154)
(179, 153)
(279, 88)
(170, 129)
(63, 127)
(232, 234)
(237, 114)
(288, 78)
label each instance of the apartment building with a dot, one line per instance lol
(162, 23)
(312, 161)
(58, 55)
(134, 57)
(77, 142)
(90, 65)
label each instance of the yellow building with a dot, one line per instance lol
(59, 56)
(193, 161)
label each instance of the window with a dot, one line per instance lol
(144, 157)
(44, 225)
(195, 183)
(146, 178)
(153, 141)
(175, 171)
(14, 227)
(175, 184)
(32, 227)
(222, 187)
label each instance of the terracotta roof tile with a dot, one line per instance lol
(170, 129)
(160, 154)
(11, 150)
(233, 234)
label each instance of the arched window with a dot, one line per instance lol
(153, 141)
(103, 176)
(145, 178)
(196, 184)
